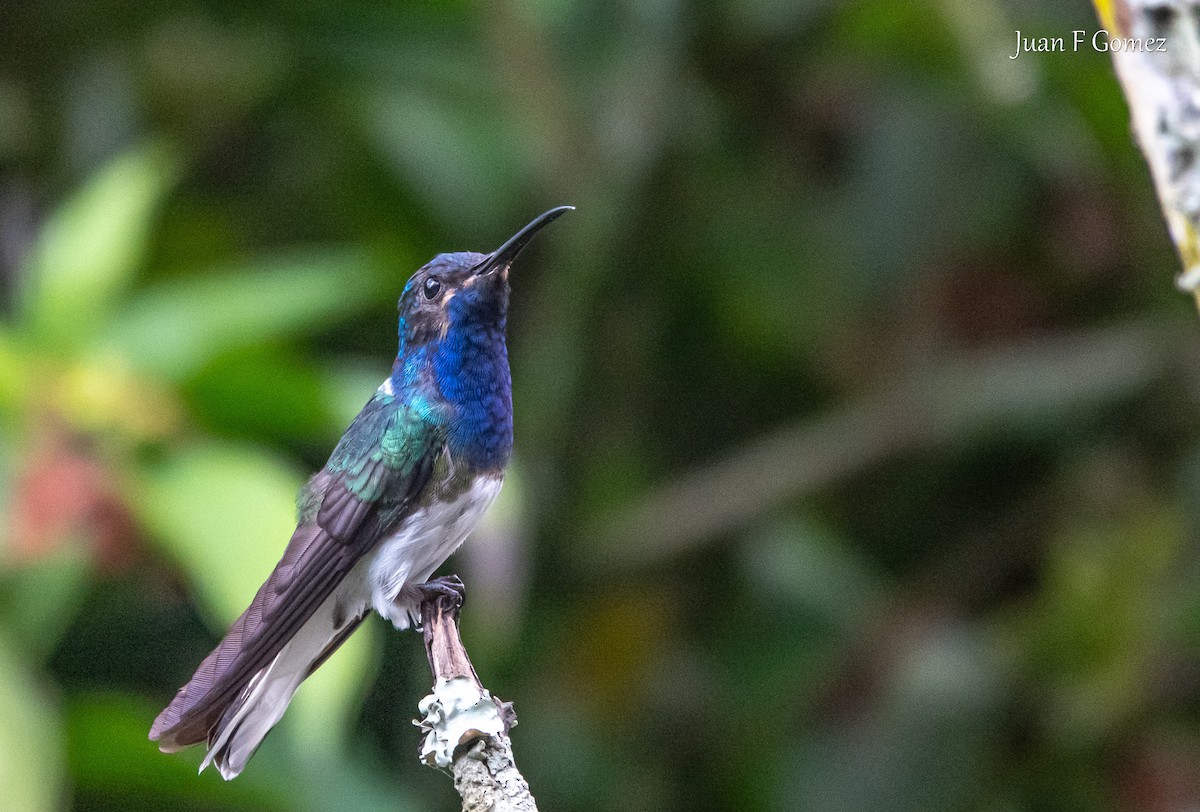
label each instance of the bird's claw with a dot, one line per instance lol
(448, 586)
(447, 592)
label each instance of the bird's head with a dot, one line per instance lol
(462, 291)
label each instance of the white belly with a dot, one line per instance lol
(420, 545)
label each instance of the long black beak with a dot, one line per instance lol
(505, 254)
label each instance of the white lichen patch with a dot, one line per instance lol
(456, 713)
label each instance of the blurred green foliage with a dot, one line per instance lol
(857, 449)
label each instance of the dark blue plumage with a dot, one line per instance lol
(466, 365)
(402, 489)
(472, 371)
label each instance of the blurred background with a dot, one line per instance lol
(858, 461)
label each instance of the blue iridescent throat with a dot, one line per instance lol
(471, 368)
(467, 371)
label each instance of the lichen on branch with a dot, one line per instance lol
(466, 728)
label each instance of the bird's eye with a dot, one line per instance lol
(432, 287)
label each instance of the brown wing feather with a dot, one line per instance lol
(312, 566)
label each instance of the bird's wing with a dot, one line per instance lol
(370, 482)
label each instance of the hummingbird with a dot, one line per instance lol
(403, 488)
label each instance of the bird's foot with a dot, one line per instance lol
(447, 593)
(449, 587)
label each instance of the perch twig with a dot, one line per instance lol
(465, 727)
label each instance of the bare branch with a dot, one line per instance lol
(466, 728)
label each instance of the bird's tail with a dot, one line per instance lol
(267, 695)
(235, 728)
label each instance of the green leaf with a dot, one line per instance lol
(14, 371)
(175, 328)
(38, 600)
(30, 741)
(111, 757)
(266, 393)
(93, 245)
(110, 754)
